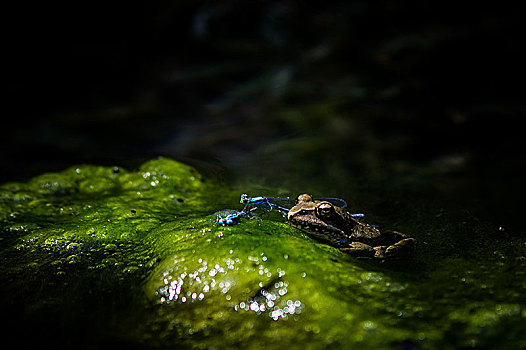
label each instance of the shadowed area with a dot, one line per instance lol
(411, 112)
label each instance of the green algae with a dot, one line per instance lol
(101, 254)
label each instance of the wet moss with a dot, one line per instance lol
(135, 257)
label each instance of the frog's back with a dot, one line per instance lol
(360, 231)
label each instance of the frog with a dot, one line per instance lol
(333, 225)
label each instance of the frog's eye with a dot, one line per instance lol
(324, 210)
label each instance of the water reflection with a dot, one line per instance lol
(197, 280)
(270, 298)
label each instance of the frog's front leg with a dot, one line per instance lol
(359, 249)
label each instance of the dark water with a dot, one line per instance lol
(411, 112)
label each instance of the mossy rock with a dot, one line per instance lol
(105, 256)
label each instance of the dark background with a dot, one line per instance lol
(273, 91)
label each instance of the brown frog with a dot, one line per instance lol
(332, 224)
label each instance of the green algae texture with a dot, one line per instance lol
(96, 257)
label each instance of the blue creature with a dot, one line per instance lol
(230, 219)
(264, 202)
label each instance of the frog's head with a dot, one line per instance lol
(320, 218)
(306, 206)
